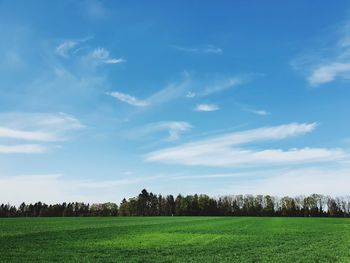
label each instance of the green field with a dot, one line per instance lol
(175, 239)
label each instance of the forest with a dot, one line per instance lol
(149, 204)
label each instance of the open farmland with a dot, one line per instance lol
(175, 239)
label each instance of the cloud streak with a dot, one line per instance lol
(103, 55)
(99, 54)
(131, 100)
(174, 128)
(26, 135)
(167, 94)
(259, 112)
(206, 107)
(227, 151)
(328, 73)
(65, 47)
(37, 126)
(331, 63)
(114, 61)
(221, 86)
(182, 89)
(34, 127)
(22, 148)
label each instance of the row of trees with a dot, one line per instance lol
(64, 209)
(149, 204)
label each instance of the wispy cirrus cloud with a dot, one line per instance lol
(69, 47)
(65, 48)
(188, 87)
(221, 85)
(131, 100)
(214, 84)
(227, 150)
(329, 72)
(259, 112)
(328, 64)
(114, 61)
(52, 124)
(252, 109)
(22, 148)
(25, 135)
(34, 127)
(174, 129)
(170, 92)
(103, 55)
(206, 107)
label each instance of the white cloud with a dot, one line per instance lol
(128, 99)
(174, 128)
(25, 135)
(169, 93)
(327, 64)
(103, 55)
(206, 85)
(114, 61)
(37, 126)
(227, 157)
(223, 151)
(205, 50)
(34, 127)
(259, 112)
(329, 72)
(221, 86)
(181, 89)
(100, 53)
(206, 107)
(65, 47)
(22, 148)
(165, 95)
(213, 50)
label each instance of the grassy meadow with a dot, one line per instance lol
(174, 239)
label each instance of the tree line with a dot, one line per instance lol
(149, 204)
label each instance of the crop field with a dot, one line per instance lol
(174, 239)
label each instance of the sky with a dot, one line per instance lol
(100, 99)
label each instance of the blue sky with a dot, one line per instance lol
(100, 99)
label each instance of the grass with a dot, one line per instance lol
(175, 239)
